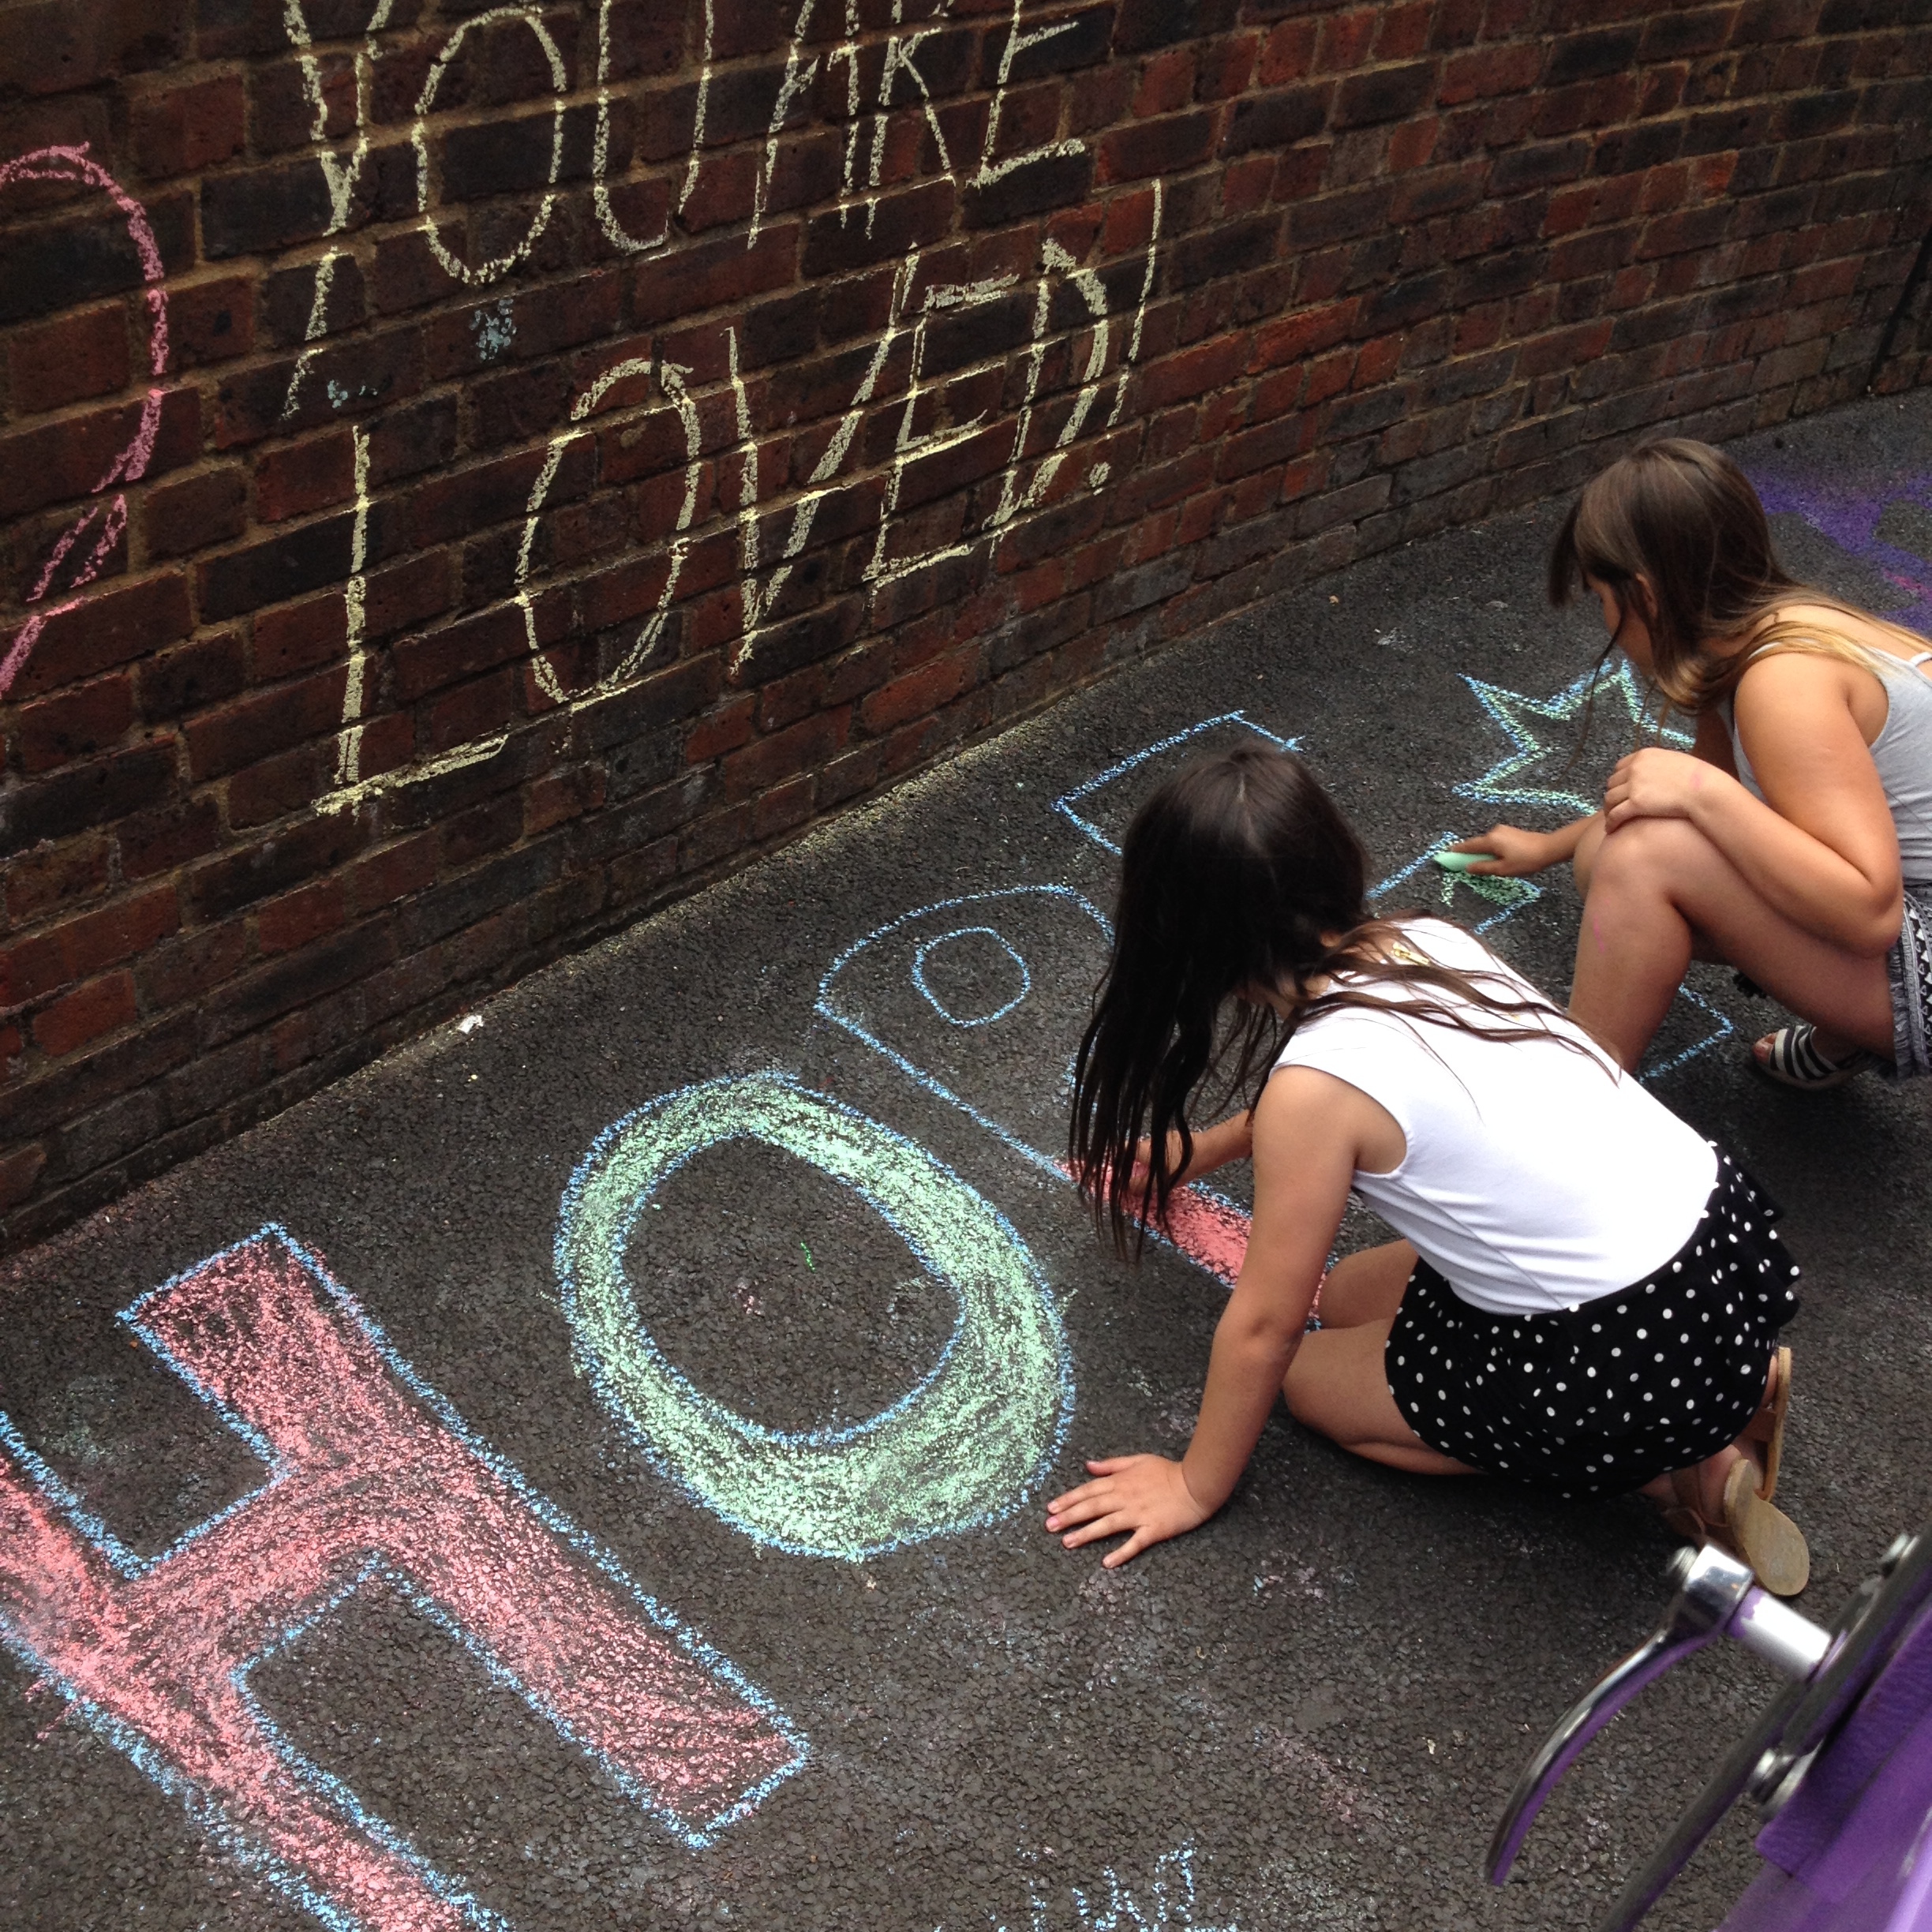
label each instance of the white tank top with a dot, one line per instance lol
(1537, 1177)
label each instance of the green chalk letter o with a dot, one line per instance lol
(957, 1452)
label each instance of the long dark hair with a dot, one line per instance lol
(1683, 517)
(1241, 874)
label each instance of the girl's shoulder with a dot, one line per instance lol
(1804, 643)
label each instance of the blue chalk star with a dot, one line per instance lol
(1517, 715)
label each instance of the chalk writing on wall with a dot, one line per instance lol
(371, 1481)
(74, 562)
(1089, 313)
(960, 1449)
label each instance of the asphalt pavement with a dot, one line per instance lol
(585, 1470)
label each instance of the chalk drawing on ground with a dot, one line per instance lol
(372, 1481)
(993, 1067)
(1507, 897)
(1709, 1026)
(1116, 818)
(1694, 1024)
(71, 563)
(961, 1449)
(1522, 718)
(1165, 1903)
(1884, 521)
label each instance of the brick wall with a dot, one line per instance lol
(468, 475)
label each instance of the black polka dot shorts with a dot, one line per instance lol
(1597, 1400)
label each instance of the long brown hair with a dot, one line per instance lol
(1231, 875)
(1683, 517)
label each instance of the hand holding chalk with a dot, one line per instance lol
(1460, 861)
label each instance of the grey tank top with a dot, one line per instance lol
(1902, 752)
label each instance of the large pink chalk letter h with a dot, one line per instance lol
(371, 1475)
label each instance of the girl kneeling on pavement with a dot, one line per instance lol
(1589, 1293)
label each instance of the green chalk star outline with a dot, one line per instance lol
(1517, 715)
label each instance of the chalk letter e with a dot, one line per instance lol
(371, 1474)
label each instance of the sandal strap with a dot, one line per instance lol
(1794, 1055)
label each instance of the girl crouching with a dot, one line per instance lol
(1589, 1294)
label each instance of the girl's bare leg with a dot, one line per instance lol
(1367, 1287)
(1338, 1386)
(1659, 892)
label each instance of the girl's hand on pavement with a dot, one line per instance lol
(1143, 1498)
(1508, 852)
(1656, 784)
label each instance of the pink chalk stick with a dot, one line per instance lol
(363, 1471)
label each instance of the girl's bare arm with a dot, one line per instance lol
(1514, 853)
(1307, 1131)
(1820, 846)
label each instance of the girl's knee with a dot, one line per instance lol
(1646, 852)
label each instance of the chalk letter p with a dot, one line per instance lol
(370, 1474)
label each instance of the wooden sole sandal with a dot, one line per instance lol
(1767, 1433)
(1794, 1059)
(1762, 1535)
(1753, 1531)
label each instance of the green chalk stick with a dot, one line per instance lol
(1459, 861)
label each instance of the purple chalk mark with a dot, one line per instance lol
(72, 164)
(1849, 514)
(364, 1476)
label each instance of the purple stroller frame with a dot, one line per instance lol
(1840, 1765)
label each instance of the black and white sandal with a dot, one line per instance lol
(1794, 1060)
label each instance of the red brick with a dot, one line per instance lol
(51, 877)
(181, 130)
(209, 506)
(253, 726)
(919, 692)
(84, 1014)
(1508, 69)
(295, 477)
(766, 762)
(1167, 83)
(560, 796)
(104, 630)
(210, 321)
(394, 873)
(1304, 333)
(299, 636)
(54, 45)
(62, 461)
(82, 353)
(1288, 53)
(75, 723)
(19, 1168)
(281, 925)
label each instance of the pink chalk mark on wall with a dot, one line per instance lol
(72, 164)
(370, 1475)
